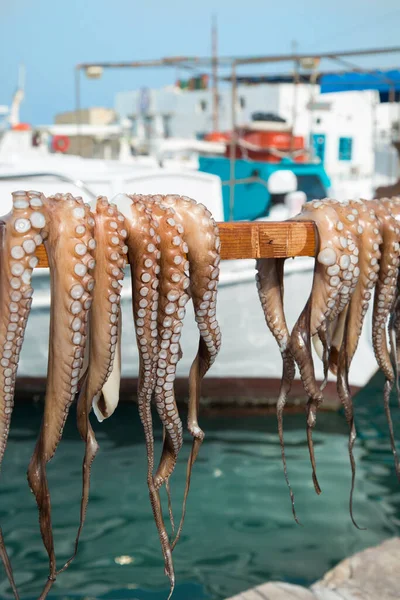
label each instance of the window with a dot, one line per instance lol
(242, 101)
(203, 105)
(345, 148)
(312, 186)
(317, 142)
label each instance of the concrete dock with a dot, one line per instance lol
(369, 575)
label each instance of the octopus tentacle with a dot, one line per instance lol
(69, 252)
(144, 257)
(322, 342)
(202, 245)
(300, 348)
(342, 317)
(20, 234)
(107, 264)
(329, 296)
(383, 305)
(393, 205)
(394, 337)
(364, 264)
(173, 297)
(269, 279)
(368, 265)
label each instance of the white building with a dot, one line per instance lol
(348, 129)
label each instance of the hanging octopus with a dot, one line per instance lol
(329, 296)
(269, 279)
(202, 244)
(172, 244)
(101, 374)
(21, 232)
(69, 244)
(357, 251)
(365, 263)
(170, 257)
(173, 248)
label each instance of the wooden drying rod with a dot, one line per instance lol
(249, 239)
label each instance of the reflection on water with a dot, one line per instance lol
(239, 528)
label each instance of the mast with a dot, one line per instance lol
(214, 50)
(18, 97)
(295, 88)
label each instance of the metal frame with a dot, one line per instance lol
(233, 62)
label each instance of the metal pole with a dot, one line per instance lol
(233, 144)
(295, 84)
(398, 141)
(392, 96)
(313, 80)
(215, 74)
(374, 139)
(78, 107)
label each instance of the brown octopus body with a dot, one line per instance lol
(393, 204)
(145, 243)
(159, 281)
(168, 264)
(384, 300)
(329, 296)
(202, 245)
(379, 259)
(364, 263)
(358, 250)
(69, 244)
(269, 278)
(100, 380)
(20, 234)
(173, 297)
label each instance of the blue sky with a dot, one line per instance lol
(51, 36)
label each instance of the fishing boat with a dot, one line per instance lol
(251, 156)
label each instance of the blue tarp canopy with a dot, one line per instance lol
(387, 83)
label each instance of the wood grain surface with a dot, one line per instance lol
(250, 239)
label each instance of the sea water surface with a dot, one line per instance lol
(239, 529)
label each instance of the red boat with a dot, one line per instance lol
(264, 140)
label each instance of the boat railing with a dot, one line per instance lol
(64, 178)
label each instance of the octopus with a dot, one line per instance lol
(172, 245)
(357, 254)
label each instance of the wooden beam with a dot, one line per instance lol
(250, 239)
(261, 239)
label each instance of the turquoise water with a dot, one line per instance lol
(239, 529)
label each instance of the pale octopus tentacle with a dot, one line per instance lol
(328, 291)
(383, 305)
(20, 235)
(144, 258)
(202, 246)
(107, 265)
(67, 251)
(348, 274)
(269, 278)
(364, 263)
(173, 297)
(394, 321)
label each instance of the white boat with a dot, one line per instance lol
(248, 349)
